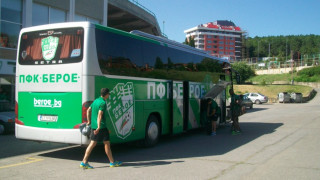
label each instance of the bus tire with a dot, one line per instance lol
(152, 131)
(218, 122)
(2, 128)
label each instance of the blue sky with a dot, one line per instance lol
(257, 17)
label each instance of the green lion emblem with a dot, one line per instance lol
(49, 47)
(120, 106)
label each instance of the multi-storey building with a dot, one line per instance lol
(220, 38)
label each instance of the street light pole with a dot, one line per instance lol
(163, 27)
(287, 49)
(258, 50)
(292, 67)
(269, 50)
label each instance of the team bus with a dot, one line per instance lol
(156, 85)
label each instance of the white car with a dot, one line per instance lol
(257, 98)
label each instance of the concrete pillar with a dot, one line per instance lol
(72, 10)
(27, 13)
(105, 13)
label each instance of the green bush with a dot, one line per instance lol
(310, 71)
(306, 78)
(245, 71)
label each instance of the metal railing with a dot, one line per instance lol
(274, 63)
(143, 7)
(148, 11)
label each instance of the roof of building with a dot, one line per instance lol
(221, 24)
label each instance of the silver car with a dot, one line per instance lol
(7, 116)
(257, 98)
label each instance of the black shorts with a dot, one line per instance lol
(213, 118)
(103, 135)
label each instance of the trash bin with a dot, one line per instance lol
(284, 97)
(296, 97)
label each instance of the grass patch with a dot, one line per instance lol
(270, 78)
(311, 74)
(272, 91)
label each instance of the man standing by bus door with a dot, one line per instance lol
(235, 112)
(213, 113)
(96, 115)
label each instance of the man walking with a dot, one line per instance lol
(96, 115)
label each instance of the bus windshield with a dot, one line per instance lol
(56, 46)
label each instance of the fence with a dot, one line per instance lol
(274, 63)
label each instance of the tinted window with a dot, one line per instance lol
(118, 54)
(10, 22)
(154, 55)
(123, 54)
(56, 46)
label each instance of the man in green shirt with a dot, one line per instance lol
(213, 113)
(96, 115)
(235, 112)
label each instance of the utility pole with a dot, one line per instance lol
(269, 49)
(163, 27)
(258, 50)
(292, 61)
(286, 49)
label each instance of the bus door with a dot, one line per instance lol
(177, 107)
(222, 104)
(185, 104)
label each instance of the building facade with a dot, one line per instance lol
(17, 14)
(220, 38)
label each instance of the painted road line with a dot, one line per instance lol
(32, 160)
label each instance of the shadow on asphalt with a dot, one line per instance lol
(11, 146)
(191, 144)
(255, 110)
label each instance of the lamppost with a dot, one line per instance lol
(258, 50)
(286, 49)
(292, 61)
(269, 50)
(163, 27)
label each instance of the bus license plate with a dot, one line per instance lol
(47, 118)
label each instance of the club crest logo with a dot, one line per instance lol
(120, 106)
(49, 47)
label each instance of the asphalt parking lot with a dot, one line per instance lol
(279, 141)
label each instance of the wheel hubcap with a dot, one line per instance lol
(153, 130)
(1, 129)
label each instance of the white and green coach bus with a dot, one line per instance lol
(156, 84)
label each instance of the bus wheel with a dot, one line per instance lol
(2, 128)
(152, 131)
(218, 122)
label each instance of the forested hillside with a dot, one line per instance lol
(282, 46)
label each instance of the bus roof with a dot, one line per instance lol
(177, 45)
(160, 40)
(57, 25)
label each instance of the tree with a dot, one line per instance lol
(190, 41)
(280, 46)
(159, 64)
(244, 70)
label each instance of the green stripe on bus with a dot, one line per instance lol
(50, 110)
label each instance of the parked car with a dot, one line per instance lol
(257, 98)
(7, 116)
(246, 102)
